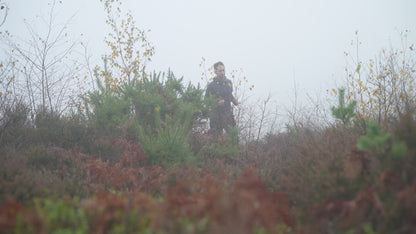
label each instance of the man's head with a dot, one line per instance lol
(219, 70)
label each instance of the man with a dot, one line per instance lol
(220, 90)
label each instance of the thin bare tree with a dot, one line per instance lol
(46, 64)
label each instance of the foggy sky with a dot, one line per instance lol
(276, 43)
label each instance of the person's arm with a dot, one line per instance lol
(233, 99)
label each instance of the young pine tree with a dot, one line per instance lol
(344, 112)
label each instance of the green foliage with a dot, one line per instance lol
(399, 150)
(54, 129)
(283, 228)
(168, 145)
(226, 147)
(156, 109)
(368, 229)
(159, 111)
(344, 112)
(365, 228)
(375, 140)
(20, 129)
(108, 112)
(165, 112)
(14, 123)
(379, 143)
(62, 216)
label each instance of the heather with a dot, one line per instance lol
(131, 154)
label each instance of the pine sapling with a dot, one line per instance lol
(344, 112)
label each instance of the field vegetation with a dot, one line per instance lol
(131, 154)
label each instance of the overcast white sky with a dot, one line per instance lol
(275, 42)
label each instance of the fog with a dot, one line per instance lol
(279, 45)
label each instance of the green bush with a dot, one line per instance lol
(43, 128)
(168, 145)
(51, 128)
(109, 112)
(158, 111)
(61, 216)
(225, 148)
(383, 145)
(14, 123)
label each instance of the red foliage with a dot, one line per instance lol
(407, 198)
(108, 209)
(132, 153)
(127, 174)
(267, 206)
(391, 181)
(101, 176)
(9, 211)
(193, 195)
(388, 206)
(240, 208)
(347, 214)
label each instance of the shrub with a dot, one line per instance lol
(40, 171)
(344, 112)
(384, 86)
(309, 165)
(157, 111)
(109, 112)
(225, 147)
(198, 202)
(169, 145)
(14, 123)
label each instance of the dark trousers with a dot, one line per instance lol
(221, 120)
